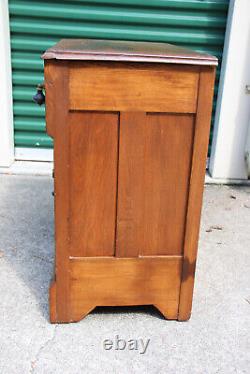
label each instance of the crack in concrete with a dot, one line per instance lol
(40, 350)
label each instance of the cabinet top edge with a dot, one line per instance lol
(114, 50)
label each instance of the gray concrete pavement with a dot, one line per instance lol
(215, 340)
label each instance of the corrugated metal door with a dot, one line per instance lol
(37, 25)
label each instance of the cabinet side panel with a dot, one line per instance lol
(93, 183)
(154, 169)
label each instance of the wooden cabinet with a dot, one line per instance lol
(130, 123)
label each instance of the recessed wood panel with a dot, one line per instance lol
(93, 181)
(128, 281)
(133, 87)
(154, 168)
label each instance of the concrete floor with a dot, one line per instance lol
(215, 340)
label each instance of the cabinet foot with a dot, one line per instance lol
(85, 309)
(168, 311)
(52, 302)
(182, 317)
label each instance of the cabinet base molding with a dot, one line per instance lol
(112, 281)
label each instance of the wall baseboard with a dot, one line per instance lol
(33, 154)
(29, 168)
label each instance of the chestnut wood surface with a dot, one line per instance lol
(199, 155)
(93, 183)
(154, 167)
(130, 145)
(56, 83)
(128, 281)
(133, 87)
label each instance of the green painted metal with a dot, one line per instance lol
(37, 25)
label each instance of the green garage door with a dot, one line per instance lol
(37, 25)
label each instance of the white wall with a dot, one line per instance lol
(6, 113)
(233, 106)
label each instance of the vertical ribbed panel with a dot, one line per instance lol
(37, 25)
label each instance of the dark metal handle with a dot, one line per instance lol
(39, 97)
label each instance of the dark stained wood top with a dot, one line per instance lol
(114, 50)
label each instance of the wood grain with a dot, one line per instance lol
(201, 138)
(50, 113)
(154, 167)
(93, 182)
(128, 281)
(56, 78)
(128, 186)
(52, 303)
(133, 87)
